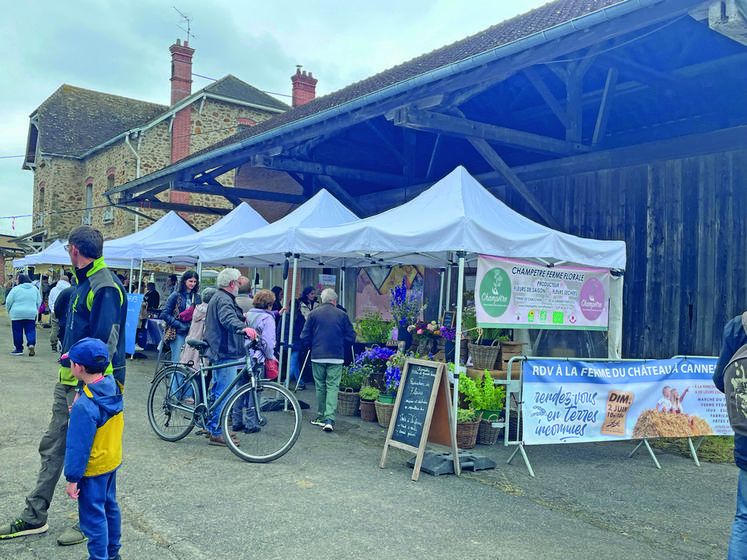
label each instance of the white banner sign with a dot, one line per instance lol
(576, 401)
(510, 293)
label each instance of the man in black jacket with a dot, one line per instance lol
(222, 322)
(328, 331)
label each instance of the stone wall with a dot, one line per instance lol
(65, 179)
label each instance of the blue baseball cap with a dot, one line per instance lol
(88, 352)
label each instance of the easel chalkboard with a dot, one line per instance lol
(422, 413)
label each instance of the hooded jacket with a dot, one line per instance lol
(94, 435)
(98, 309)
(23, 302)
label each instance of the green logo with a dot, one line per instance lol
(557, 317)
(495, 292)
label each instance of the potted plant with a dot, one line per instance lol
(371, 328)
(351, 380)
(468, 422)
(482, 394)
(368, 396)
(392, 377)
(374, 362)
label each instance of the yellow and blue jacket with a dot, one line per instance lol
(94, 434)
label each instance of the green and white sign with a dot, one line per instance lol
(512, 293)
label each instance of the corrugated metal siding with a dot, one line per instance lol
(684, 224)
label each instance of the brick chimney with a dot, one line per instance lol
(181, 71)
(304, 87)
(181, 87)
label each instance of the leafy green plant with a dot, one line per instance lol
(369, 393)
(352, 378)
(482, 393)
(466, 415)
(372, 328)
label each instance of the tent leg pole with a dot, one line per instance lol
(458, 341)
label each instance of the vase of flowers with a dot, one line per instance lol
(449, 335)
(405, 306)
(424, 334)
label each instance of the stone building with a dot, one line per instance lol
(82, 143)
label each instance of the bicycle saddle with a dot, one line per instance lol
(200, 345)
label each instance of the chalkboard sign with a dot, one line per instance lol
(413, 406)
(422, 413)
(448, 319)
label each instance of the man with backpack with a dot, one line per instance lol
(730, 377)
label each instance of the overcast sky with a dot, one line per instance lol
(122, 48)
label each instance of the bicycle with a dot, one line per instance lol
(278, 414)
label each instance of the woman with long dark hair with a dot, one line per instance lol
(178, 310)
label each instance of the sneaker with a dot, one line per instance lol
(19, 528)
(317, 422)
(329, 426)
(301, 386)
(17, 353)
(71, 535)
(32, 352)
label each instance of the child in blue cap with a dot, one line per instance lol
(94, 448)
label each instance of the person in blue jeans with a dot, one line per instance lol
(304, 305)
(223, 323)
(93, 451)
(22, 305)
(176, 313)
(735, 336)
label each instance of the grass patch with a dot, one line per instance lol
(714, 449)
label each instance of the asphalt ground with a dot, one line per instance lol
(328, 498)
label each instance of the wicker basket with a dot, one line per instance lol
(466, 433)
(486, 433)
(347, 402)
(384, 413)
(483, 357)
(368, 411)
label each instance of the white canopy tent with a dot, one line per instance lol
(270, 244)
(455, 214)
(132, 247)
(274, 243)
(458, 217)
(185, 250)
(54, 254)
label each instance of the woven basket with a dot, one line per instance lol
(483, 357)
(384, 413)
(368, 411)
(347, 402)
(486, 433)
(466, 433)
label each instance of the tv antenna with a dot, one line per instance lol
(188, 21)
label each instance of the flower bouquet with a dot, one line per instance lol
(405, 306)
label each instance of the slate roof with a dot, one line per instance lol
(534, 21)
(74, 120)
(231, 86)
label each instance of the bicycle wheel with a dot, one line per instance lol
(170, 412)
(280, 422)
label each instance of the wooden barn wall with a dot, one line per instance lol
(683, 222)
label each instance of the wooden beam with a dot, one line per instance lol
(341, 194)
(455, 126)
(156, 204)
(547, 95)
(315, 168)
(604, 107)
(641, 73)
(238, 192)
(497, 163)
(384, 140)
